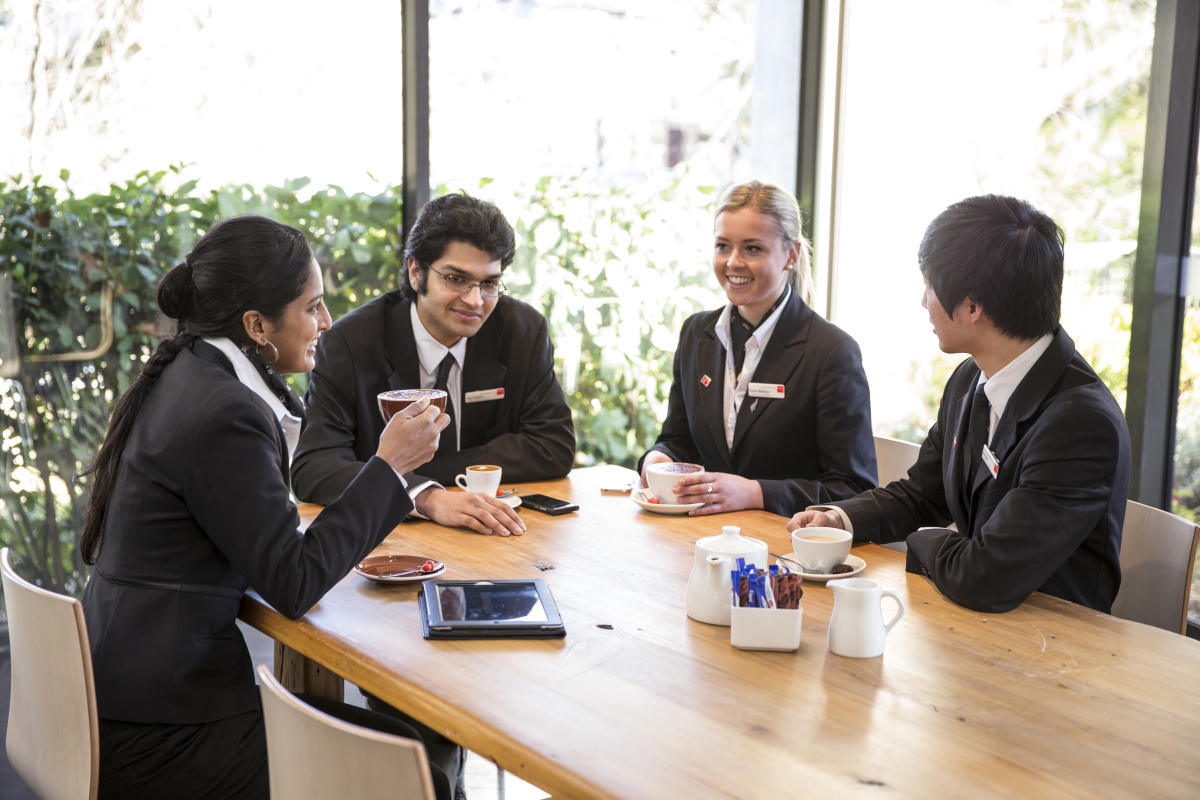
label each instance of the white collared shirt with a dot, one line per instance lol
(430, 353)
(1000, 387)
(249, 377)
(737, 385)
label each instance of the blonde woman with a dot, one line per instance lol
(768, 396)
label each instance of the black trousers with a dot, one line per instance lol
(221, 760)
(445, 755)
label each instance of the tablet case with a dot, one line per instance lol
(552, 629)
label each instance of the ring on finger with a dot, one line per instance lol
(710, 488)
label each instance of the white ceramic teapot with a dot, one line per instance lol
(709, 596)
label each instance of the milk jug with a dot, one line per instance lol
(856, 627)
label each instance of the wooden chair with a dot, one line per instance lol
(319, 757)
(1158, 554)
(893, 458)
(53, 737)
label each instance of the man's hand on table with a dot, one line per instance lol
(815, 519)
(473, 510)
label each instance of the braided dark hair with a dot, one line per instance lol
(241, 264)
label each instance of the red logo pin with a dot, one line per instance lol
(779, 389)
(500, 392)
(705, 381)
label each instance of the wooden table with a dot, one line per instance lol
(638, 701)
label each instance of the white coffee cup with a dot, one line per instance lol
(664, 476)
(821, 549)
(483, 478)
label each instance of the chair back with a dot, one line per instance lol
(894, 457)
(1158, 554)
(53, 739)
(313, 755)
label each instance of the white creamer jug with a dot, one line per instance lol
(709, 596)
(856, 627)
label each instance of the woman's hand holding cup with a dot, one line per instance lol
(651, 458)
(411, 436)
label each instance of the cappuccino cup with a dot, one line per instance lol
(663, 477)
(821, 549)
(395, 400)
(484, 478)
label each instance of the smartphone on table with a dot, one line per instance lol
(547, 504)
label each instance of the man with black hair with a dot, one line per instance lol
(449, 326)
(1029, 456)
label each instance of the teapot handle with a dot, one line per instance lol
(899, 609)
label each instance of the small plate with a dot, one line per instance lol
(512, 500)
(377, 568)
(854, 561)
(642, 497)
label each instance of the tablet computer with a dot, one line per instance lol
(521, 609)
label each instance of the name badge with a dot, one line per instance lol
(772, 391)
(989, 461)
(484, 395)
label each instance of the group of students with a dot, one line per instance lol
(192, 488)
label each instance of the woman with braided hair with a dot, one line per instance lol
(190, 504)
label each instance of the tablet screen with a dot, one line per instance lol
(491, 602)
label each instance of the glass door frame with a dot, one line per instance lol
(1164, 242)
(1160, 279)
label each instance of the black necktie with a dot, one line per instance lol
(449, 441)
(739, 333)
(977, 434)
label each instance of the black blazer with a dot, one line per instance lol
(813, 446)
(1051, 519)
(528, 432)
(200, 510)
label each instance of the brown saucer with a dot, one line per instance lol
(397, 568)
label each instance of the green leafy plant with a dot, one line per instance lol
(614, 278)
(83, 272)
(615, 271)
(606, 267)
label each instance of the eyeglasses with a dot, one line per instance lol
(492, 287)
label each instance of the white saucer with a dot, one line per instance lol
(854, 561)
(642, 498)
(511, 500)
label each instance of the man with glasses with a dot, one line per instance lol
(449, 327)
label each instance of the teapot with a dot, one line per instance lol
(856, 626)
(709, 593)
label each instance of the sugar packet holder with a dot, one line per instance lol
(758, 620)
(776, 587)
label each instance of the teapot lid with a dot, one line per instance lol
(731, 542)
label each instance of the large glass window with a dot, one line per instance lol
(604, 131)
(944, 99)
(146, 122)
(1185, 495)
(243, 91)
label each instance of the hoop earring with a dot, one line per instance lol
(274, 351)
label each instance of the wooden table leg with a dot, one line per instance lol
(300, 674)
